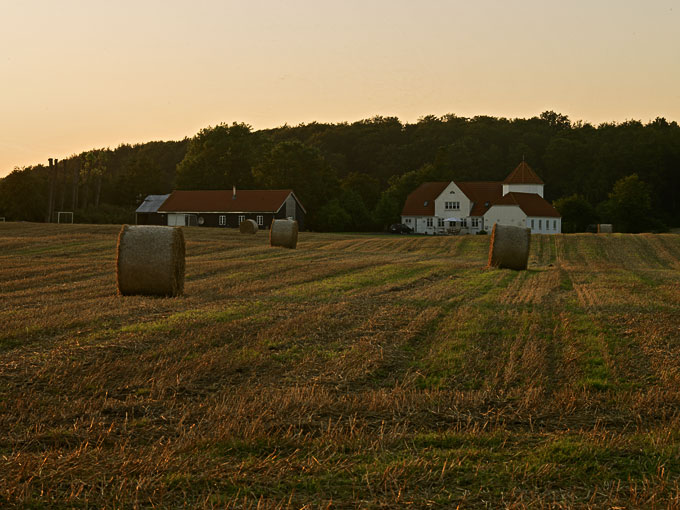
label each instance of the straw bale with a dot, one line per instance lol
(283, 233)
(605, 228)
(248, 227)
(150, 261)
(509, 247)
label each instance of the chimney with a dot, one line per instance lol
(233, 196)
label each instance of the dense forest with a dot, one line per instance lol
(355, 177)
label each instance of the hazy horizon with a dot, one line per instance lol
(81, 75)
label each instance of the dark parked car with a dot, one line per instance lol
(400, 228)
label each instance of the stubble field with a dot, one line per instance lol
(354, 372)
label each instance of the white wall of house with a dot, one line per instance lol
(543, 225)
(504, 215)
(475, 224)
(419, 224)
(523, 188)
(451, 197)
(411, 222)
(426, 224)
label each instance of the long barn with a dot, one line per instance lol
(227, 209)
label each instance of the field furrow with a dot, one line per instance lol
(357, 371)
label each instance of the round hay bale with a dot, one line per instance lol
(509, 247)
(150, 261)
(283, 233)
(605, 228)
(248, 227)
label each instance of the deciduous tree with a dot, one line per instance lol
(218, 158)
(577, 213)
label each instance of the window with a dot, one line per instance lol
(539, 225)
(429, 222)
(408, 221)
(241, 218)
(532, 224)
(464, 222)
(554, 224)
(260, 221)
(474, 222)
(440, 222)
(223, 220)
(452, 206)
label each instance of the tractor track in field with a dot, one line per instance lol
(375, 370)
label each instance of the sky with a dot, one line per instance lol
(84, 74)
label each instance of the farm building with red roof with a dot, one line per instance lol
(469, 207)
(224, 208)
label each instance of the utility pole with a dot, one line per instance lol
(76, 175)
(50, 200)
(61, 177)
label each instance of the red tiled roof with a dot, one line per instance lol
(421, 201)
(482, 194)
(523, 174)
(222, 201)
(530, 203)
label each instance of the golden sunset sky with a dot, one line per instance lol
(77, 75)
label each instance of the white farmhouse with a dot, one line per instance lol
(468, 207)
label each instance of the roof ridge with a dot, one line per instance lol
(532, 204)
(256, 200)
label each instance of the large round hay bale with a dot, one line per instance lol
(283, 233)
(509, 247)
(605, 228)
(248, 227)
(150, 261)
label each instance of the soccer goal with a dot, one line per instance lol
(65, 217)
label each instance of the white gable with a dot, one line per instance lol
(452, 195)
(505, 215)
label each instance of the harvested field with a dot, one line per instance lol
(356, 371)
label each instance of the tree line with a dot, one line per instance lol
(356, 176)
